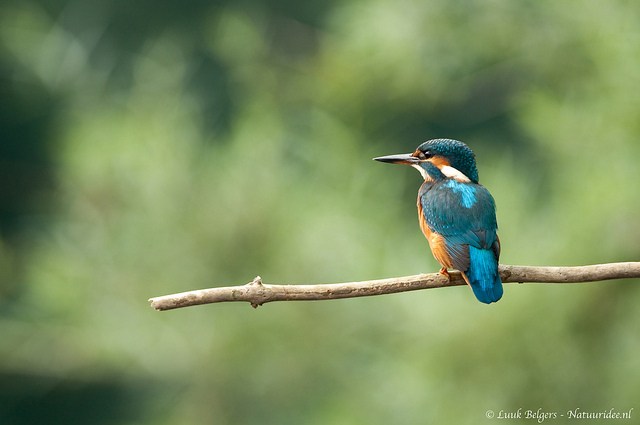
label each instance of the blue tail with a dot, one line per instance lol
(483, 275)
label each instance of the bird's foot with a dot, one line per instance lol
(445, 272)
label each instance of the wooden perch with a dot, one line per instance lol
(258, 293)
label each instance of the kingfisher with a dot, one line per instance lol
(457, 214)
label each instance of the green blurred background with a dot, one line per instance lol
(152, 147)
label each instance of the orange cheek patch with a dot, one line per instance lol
(439, 161)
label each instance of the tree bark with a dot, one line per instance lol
(258, 293)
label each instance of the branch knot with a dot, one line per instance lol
(257, 281)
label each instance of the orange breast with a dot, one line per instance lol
(436, 241)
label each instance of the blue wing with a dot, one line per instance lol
(465, 215)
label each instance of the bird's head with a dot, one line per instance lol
(439, 158)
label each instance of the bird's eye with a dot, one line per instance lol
(421, 155)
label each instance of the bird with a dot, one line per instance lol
(457, 215)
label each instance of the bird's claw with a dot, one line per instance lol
(445, 272)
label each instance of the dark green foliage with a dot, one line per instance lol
(157, 147)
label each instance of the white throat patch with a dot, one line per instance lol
(423, 172)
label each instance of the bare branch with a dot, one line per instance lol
(258, 293)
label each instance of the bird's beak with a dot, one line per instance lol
(405, 158)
